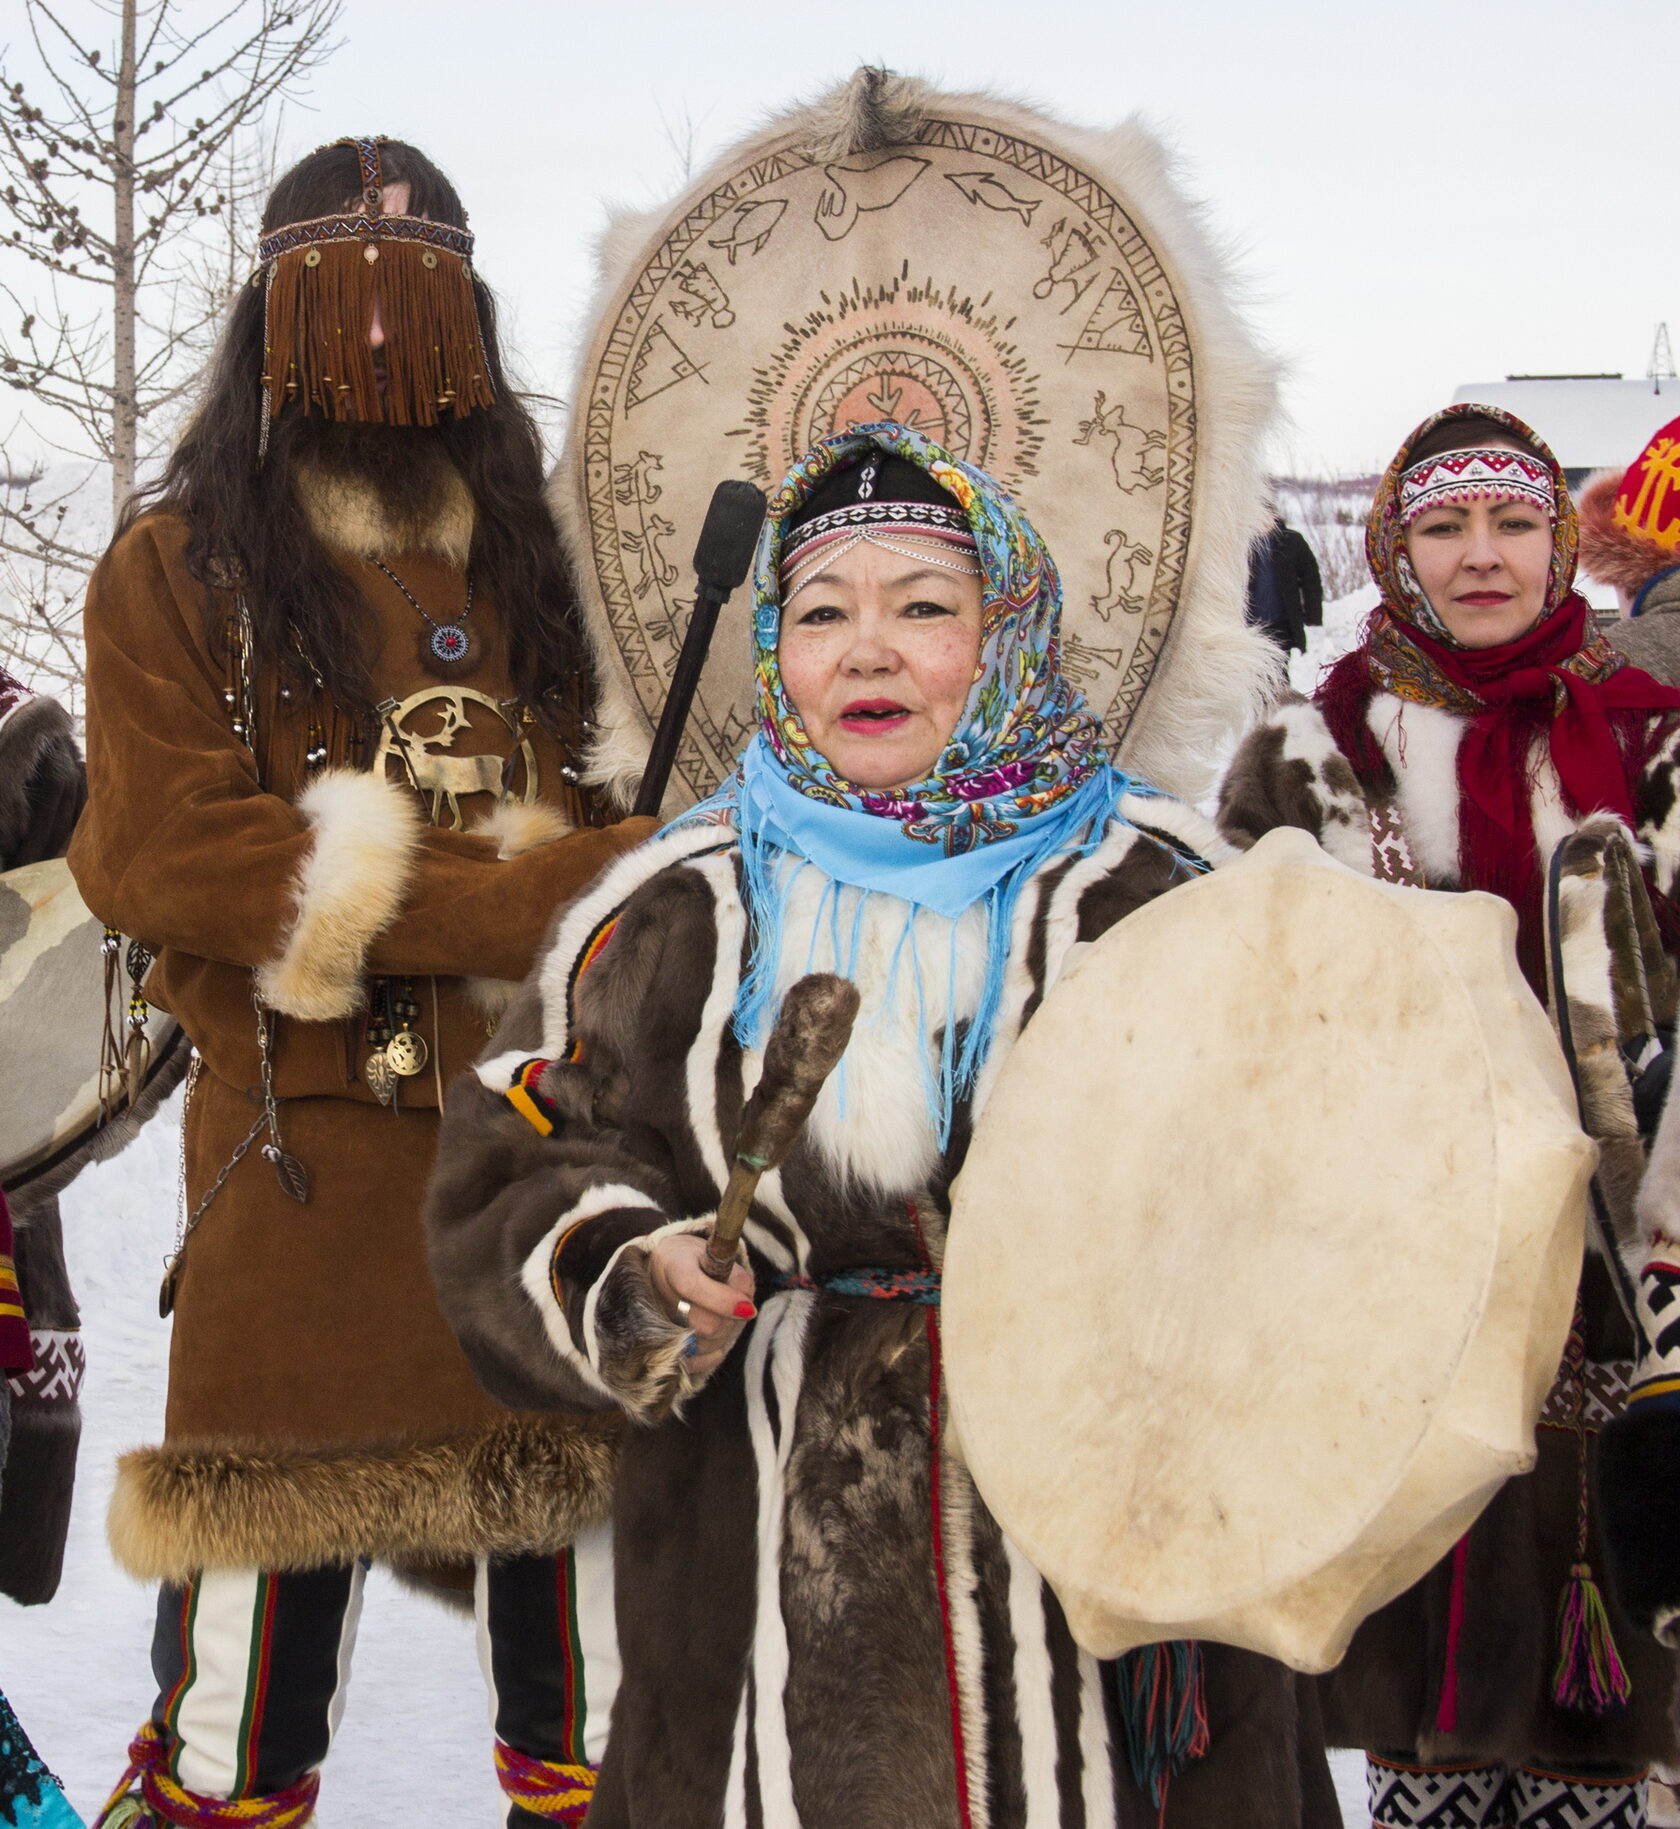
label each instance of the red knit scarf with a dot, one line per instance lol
(1560, 682)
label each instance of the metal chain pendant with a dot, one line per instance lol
(407, 1053)
(450, 642)
(382, 1082)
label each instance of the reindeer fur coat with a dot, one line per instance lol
(319, 1408)
(821, 1627)
(1387, 1693)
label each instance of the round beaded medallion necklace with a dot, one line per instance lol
(450, 642)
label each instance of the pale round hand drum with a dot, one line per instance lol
(1264, 1254)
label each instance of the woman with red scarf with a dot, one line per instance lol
(1479, 720)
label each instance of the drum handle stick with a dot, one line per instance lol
(722, 558)
(809, 1037)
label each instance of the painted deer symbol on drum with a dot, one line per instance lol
(1125, 555)
(1132, 448)
(446, 779)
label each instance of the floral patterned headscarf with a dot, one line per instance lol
(1025, 741)
(1023, 778)
(1558, 683)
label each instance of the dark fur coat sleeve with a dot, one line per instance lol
(42, 783)
(1288, 772)
(538, 1243)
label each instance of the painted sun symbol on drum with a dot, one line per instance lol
(929, 362)
(897, 384)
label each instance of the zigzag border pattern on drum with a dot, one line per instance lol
(1173, 340)
(621, 346)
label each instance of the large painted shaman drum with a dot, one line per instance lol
(1039, 300)
(52, 1014)
(1263, 1257)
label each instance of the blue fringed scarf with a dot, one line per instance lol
(1024, 778)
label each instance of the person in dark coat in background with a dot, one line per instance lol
(1285, 591)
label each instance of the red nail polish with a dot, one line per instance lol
(744, 1311)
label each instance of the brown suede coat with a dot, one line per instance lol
(307, 1331)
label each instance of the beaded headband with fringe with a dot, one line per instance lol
(933, 532)
(323, 279)
(1478, 473)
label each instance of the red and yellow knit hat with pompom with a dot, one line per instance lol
(1630, 524)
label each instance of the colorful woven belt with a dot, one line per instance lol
(878, 1285)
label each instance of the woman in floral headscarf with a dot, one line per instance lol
(1479, 719)
(819, 1624)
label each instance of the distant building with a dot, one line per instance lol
(1592, 422)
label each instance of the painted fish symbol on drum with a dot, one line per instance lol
(749, 226)
(852, 190)
(982, 188)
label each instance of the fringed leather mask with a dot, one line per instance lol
(322, 280)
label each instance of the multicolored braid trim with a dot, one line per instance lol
(1665, 1391)
(593, 949)
(169, 1802)
(527, 1098)
(557, 1793)
(879, 1285)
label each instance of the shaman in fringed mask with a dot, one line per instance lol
(370, 314)
(335, 700)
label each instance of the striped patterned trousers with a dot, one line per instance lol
(252, 1669)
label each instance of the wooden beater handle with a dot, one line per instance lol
(809, 1037)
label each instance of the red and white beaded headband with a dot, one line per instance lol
(1480, 473)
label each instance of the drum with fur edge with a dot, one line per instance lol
(1293, 1156)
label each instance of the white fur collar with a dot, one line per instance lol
(872, 1119)
(1421, 744)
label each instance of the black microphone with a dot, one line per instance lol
(723, 556)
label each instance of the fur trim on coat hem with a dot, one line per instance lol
(349, 888)
(527, 1487)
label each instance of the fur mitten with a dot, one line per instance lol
(641, 1355)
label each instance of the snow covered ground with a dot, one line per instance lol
(414, 1749)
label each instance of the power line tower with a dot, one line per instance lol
(1662, 361)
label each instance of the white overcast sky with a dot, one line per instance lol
(1420, 195)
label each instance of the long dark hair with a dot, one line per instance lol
(247, 523)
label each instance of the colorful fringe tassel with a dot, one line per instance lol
(1590, 1676)
(557, 1793)
(1163, 1712)
(169, 1802)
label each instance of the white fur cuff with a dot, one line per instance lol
(349, 888)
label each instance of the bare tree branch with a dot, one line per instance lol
(134, 149)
